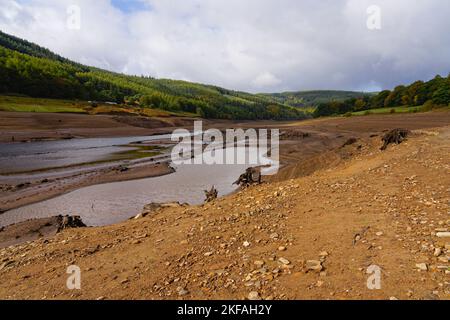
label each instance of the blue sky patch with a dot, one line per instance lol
(129, 6)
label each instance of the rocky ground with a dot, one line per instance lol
(311, 237)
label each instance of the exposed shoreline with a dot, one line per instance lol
(300, 155)
(303, 238)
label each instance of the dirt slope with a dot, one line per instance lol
(376, 208)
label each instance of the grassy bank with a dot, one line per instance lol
(394, 110)
(26, 104)
(388, 110)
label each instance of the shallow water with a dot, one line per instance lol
(20, 157)
(115, 202)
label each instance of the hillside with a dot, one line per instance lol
(301, 99)
(31, 70)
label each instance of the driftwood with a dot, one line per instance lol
(249, 177)
(211, 195)
(396, 136)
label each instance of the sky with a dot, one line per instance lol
(249, 45)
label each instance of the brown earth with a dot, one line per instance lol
(312, 237)
(26, 126)
(30, 126)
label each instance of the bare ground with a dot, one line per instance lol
(368, 208)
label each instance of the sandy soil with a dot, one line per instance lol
(310, 237)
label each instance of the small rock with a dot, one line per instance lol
(437, 252)
(314, 265)
(281, 248)
(208, 254)
(284, 261)
(259, 263)
(246, 244)
(6, 264)
(422, 266)
(254, 296)
(323, 254)
(393, 299)
(182, 291)
(379, 234)
(443, 234)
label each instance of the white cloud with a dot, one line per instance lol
(265, 80)
(253, 45)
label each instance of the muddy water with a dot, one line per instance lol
(22, 157)
(114, 202)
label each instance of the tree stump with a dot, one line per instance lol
(396, 136)
(211, 195)
(249, 177)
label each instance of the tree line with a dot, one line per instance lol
(433, 93)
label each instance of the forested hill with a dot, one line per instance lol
(313, 98)
(28, 69)
(428, 95)
(26, 47)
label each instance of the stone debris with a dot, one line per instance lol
(182, 291)
(254, 295)
(422, 266)
(314, 265)
(443, 234)
(284, 261)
